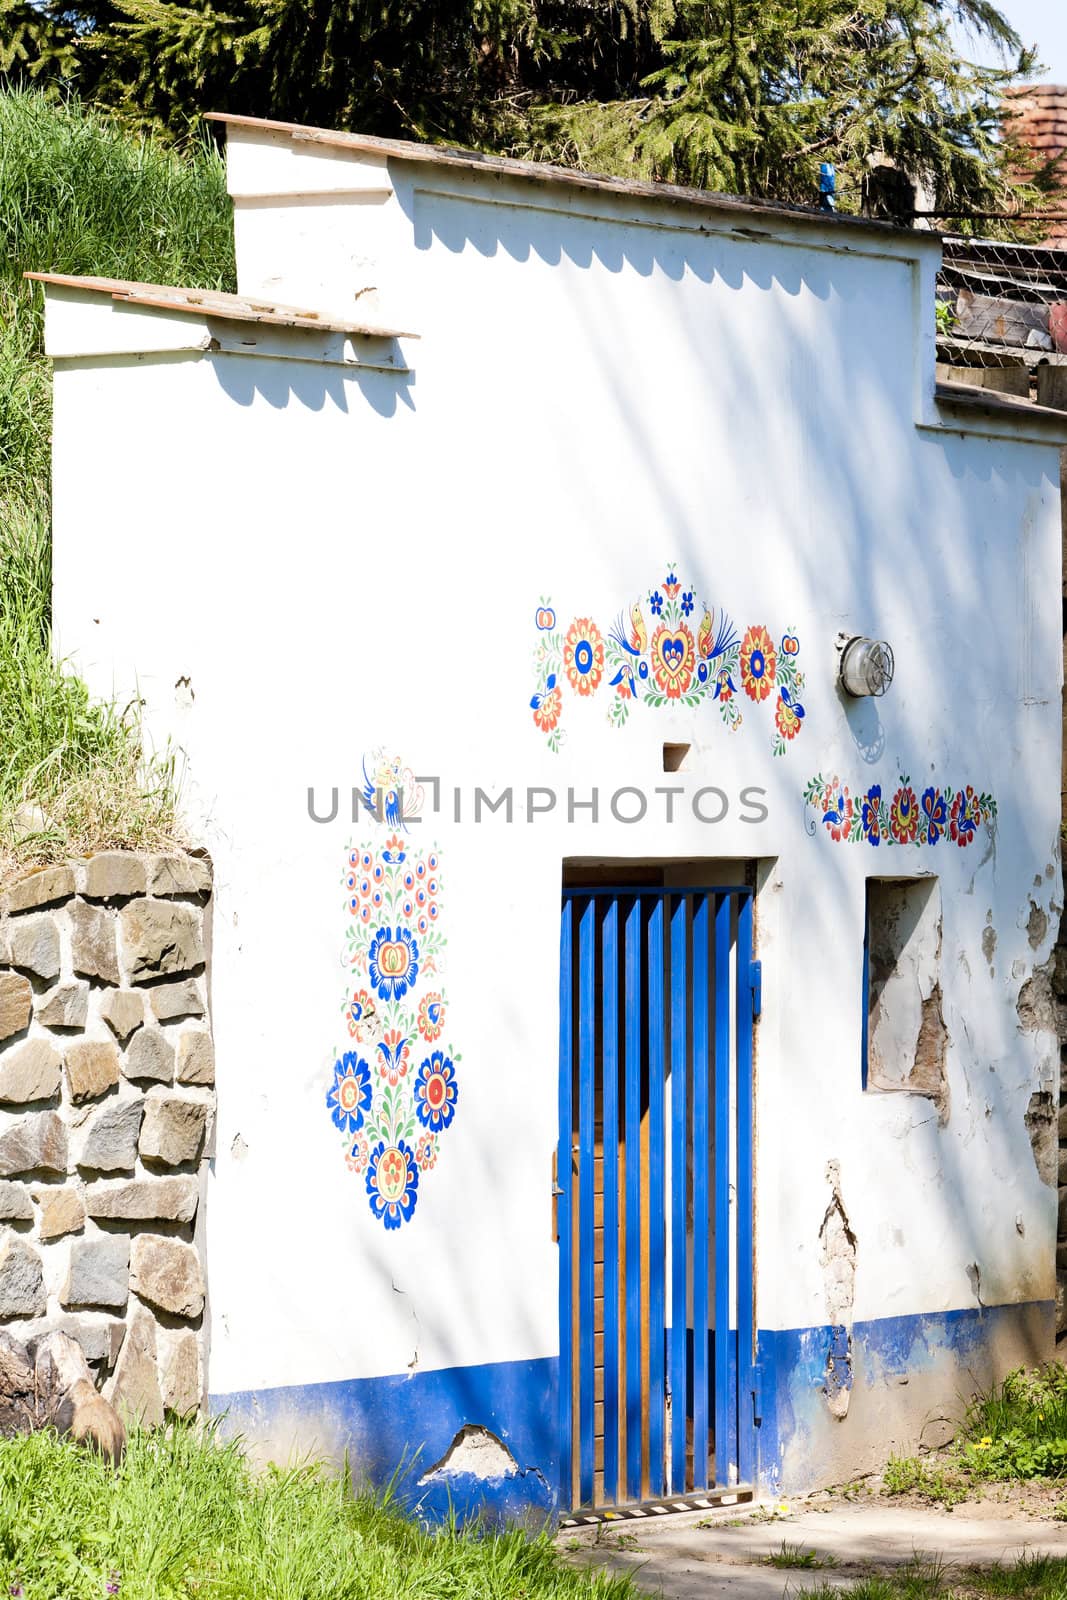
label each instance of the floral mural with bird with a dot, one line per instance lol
(657, 653)
(899, 814)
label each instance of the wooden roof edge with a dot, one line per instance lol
(966, 395)
(217, 303)
(572, 177)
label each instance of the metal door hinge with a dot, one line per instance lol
(756, 979)
(556, 1192)
(757, 1395)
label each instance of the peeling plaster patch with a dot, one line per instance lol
(989, 946)
(928, 1075)
(1017, 969)
(1036, 1006)
(974, 1273)
(907, 1040)
(238, 1148)
(1036, 925)
(837, 1257)
(475, 1452)
(1041, 1125)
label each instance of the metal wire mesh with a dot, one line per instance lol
(1002, 315)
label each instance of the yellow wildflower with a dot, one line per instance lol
(983, 1444)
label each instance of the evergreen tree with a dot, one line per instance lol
(745, 96)
(751, 96)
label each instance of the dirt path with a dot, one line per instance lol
(688, 1555)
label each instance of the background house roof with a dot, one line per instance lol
(1038, 120)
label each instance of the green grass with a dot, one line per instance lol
(1016, 1432)
(796, 1555)
(74, 775)
(186, 1517)
(944, 1485)
(926, 1578)
(77, 195)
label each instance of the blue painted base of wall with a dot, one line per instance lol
(895, 1371)
(886, 1366)
(408, 1423)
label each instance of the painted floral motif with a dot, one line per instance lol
(393, 962)
(758, 663)
(788, 715)
(870, 814)
(669, 648)
(673, 660)
(394, 1052)
(935, 815)
(898, 817)
(395, 1095)
(349, 1099)
(547, 706)
(837, 809)
(436, 1092)
(358, 1155)
(393, 1182)
(431, 1017)
(583, 656)
(904, 815)
(965, 816)
(360, 1015)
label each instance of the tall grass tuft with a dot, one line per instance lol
(185, 1516)
(74, 776)
(77, 195)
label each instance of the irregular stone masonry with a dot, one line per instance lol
(107, 1108)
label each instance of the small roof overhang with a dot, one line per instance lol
(1005, 415)
(216, 303)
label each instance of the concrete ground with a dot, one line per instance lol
(686, 1555)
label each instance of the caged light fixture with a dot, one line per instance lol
(866, 666)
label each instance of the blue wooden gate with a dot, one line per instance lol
(658, 989)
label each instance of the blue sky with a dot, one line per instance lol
(1044, 23)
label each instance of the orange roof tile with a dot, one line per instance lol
(1037, 118)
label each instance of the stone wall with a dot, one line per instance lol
(107, 1117)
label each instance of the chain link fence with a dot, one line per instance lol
(1002, 317)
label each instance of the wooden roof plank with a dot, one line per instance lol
(568, 177)
(217, 303)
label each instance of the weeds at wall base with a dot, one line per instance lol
(186, 1515)
(1015, 1433)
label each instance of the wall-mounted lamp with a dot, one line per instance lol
(866, 666)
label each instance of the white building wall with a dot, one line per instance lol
(298, 565)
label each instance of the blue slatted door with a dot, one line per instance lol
(654, 1194)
